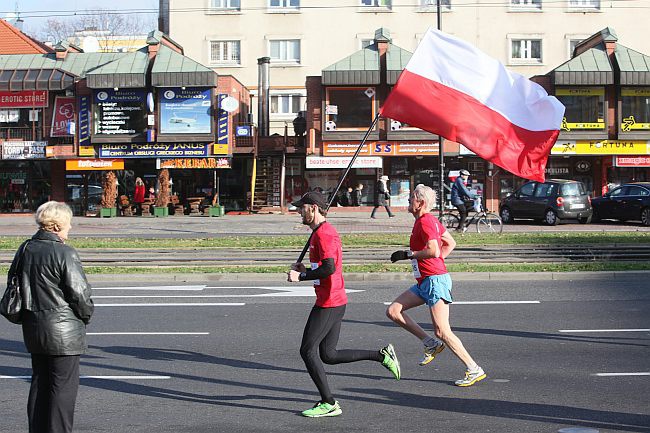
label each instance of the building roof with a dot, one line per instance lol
(13, 41)
(634, 66)
(128, 71)
(592, 67)
(172, 69)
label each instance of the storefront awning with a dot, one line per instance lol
(35, 79)
(361, 68)
(127, 71)
(634, 67)
(396, 60)
(591, 68)
(172, 69)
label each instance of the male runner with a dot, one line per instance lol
(323, 326)
(430, 244)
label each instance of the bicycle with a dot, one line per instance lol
(486, 222)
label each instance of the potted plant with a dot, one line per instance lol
(109, 195)
(160, 208)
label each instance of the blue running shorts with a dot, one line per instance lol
(434, 288)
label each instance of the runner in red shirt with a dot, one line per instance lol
(324, 324)
(430, 244)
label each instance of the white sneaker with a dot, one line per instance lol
(431, 352)
(471, 377)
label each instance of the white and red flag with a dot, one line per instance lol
(452, 89)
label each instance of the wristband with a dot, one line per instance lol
(409, 254)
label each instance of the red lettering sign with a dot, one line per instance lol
(64, 109)
(23, 99)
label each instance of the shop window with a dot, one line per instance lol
(635, 109)
(225, 52)
(285, 50)
(349, 108)
(585, 108)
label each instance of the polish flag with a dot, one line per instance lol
(452, 89)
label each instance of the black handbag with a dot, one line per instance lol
(11, 305)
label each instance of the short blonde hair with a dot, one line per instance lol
(51, 214)
(426, 194)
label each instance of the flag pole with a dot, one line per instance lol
(347, 170)
(441, 146)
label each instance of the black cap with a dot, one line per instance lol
(312, 197)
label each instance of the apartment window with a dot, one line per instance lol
(285, 50)
(225, 4)
(525, 4)
(584, 4)
(445, 5)
(225, 52)
(350, 107)
(377, 3)
(585, 108)
(526, 49)
(635, 109)
(285, 104)
(284, 4)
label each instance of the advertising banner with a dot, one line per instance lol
(601, 147)
(63, 114)
(320, 162)
(222, 123)
(94, 164)
(23, 99)
(384, 148)
(60, 151)
(212, 163)
(155, 150)
(119, 112)
(185, 111)
(84, 120)
(632, 161)
(23, 149)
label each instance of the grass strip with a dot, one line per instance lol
(350, 240)
(372, 268)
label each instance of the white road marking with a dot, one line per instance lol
(147, 333)
(155, 288)
(188, 304)
(102, 377)
(641, 373)
(486, 302)
(297, 291)
(604, 330)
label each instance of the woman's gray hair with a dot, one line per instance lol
(53, 215)
(426, 194)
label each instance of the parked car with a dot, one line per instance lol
(550, 202)
(630, 201)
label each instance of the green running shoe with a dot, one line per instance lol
(390, 361)
(323, 409)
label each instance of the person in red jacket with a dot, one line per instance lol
(138, 194)
(322, 330)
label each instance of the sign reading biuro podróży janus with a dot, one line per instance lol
(119, 112)
(185, 111)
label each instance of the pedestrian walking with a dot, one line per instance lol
(382, 194)
(430, 245)
(323, 327)
(56, 309)
(459, 193)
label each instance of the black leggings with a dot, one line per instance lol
(322, 335)
(462, 210)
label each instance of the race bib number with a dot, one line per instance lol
(314, 266)
(416, 268)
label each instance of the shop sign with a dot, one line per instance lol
(63, 115)
(154, 150)
(381, 148)
(13, 176)
(341, 149)
(632, 161)
(243, 131)
(416, 149)
(185, 111)
(554, 171)
(211, 163)
(583, 166)
(119, 112)
(321, 162)
(23, 99)
(94, 164)
(630, 124)
(87, 151)
(9, 116)
(222, 122)
(59, 151)
(23, 149)
(220, 149)
(84, 121)
(601, 147)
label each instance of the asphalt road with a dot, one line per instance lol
(558, 354)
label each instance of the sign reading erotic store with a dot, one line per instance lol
(119, 112)
(23, 99)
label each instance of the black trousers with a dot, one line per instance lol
(53, 393)
(321, 336)
(374, 210)
(462, 210)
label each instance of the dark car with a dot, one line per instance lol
(551, 201)
(626, 202)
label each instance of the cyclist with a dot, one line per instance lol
(459, 193)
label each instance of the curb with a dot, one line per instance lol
(276, 278)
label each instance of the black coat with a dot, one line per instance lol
(381, 194)
(56, 297)
(356, 197)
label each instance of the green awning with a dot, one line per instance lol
(127, 71)
(589, 68)
(634, 67)
(172, 69)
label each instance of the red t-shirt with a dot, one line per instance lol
(324, 244)
(427, 228)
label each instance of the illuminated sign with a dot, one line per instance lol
(94, 164)
(601, 147)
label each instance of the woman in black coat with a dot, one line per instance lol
(382, 194)
(56, 309)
